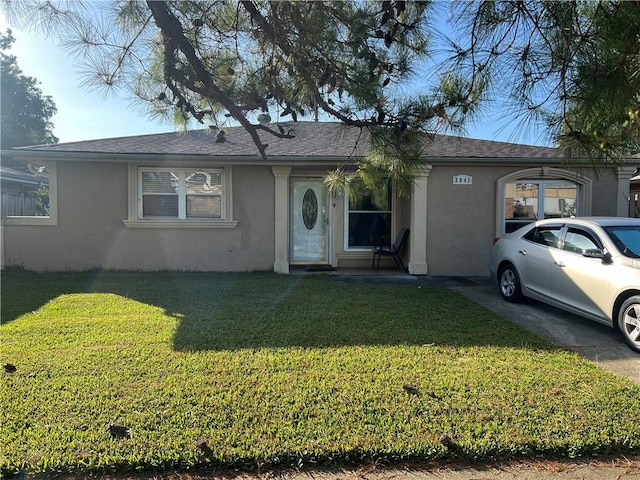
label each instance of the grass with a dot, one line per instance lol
(259, 370)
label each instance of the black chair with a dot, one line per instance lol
(394, 250)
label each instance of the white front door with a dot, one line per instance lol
(309, 217)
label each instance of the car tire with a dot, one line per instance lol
(509, 282)
(629, 322)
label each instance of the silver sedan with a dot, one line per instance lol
(588, 266)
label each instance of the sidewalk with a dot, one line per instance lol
(628, 469)
(604, 469)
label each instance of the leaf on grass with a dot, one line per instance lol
(410, 389)
(204, 447)
(119, 431)
(446, 440)
(432, 394)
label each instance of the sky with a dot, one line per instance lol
(87, 115)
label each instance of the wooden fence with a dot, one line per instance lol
(18, 205)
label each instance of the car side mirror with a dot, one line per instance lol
(597, 253)
(593, 253)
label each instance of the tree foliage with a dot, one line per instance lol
(570, 66)
(574, 66)
(259, 61)
(26, 113)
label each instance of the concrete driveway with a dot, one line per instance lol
(597, 342)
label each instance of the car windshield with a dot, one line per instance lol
(626, 238)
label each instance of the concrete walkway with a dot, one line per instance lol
(627, 469)
(615, 469)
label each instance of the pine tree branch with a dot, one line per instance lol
(171, 28)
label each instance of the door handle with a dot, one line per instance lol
(560, 264)
(522, 252)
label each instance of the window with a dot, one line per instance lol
(180, 193)
(547, 235)
(526, 195)
(577, 241)
(527, 201)
(32, 198)
(187, 197)
(627, 239)
(368, 217)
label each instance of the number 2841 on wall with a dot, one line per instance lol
(462, 180)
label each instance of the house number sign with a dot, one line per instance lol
(462, 180)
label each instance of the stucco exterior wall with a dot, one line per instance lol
(92, 204)
(605, 186)
(461, 219)
(93, 200)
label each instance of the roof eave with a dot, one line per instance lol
(35, 156)
(23, 179)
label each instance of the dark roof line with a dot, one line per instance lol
(313, 140)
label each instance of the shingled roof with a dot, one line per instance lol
(312, 140)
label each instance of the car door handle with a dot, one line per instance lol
(522, 252)
(560, 264)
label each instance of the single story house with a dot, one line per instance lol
(201, 201)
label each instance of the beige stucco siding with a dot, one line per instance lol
(460, 220)
(94, 229)
(604, 196)
(92, 205)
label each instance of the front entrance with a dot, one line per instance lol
(309, 222)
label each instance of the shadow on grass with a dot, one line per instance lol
(265, 310)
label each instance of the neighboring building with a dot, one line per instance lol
(183, 201)
(634, 196)
(17, 188)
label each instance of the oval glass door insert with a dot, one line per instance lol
(309, 209)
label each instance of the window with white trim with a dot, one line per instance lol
(550, 192)
(35, 203)
(178, 193)
(180, 197)
(530, 200)
(368, 217)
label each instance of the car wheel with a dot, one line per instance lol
(510, 284)
(629, 322)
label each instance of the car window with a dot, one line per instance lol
(577, 241)
(627, 239)
(544, 235)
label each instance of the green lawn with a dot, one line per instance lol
(260, 370)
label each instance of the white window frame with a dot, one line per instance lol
(52, 218)
(539, 175)
(345, 229)
(136, 220)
